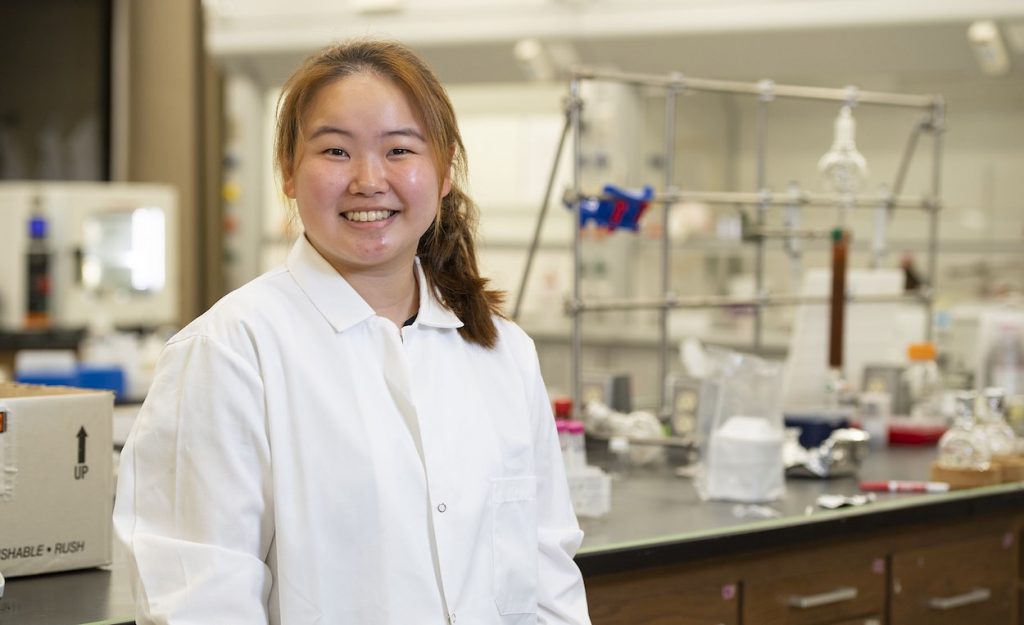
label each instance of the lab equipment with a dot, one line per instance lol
(923, 381)
(836, 383)
(591, 492)
(37, 263)
(571, 440)
(1002, 440)
(91, 248)
(877, 327)
(1004, 362)
(904, 486)
(814, 427)
(639, 427)
(831, 501)
(562, 407)
(839, 455)
(875, 412)
(843, 167)
(741, 429)
(758, 201)
(52, 367)
(965, 446)
(615, 209)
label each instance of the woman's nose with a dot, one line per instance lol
(369, 178)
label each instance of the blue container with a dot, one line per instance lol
(102, 377)
(98, 377)
(815, 427)
(47, 378)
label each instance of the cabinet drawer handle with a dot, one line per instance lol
(844, 593)
(976, 595)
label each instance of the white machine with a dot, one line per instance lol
(112, 252)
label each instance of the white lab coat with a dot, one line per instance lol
(301, 460)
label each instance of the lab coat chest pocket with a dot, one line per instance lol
(514, 544)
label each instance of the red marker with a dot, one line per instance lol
(905, 486)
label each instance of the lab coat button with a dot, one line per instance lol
(451, 618)
(441, 508)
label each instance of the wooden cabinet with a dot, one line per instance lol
(966, 581)
(824, 589)
(923, 574)
(671, 596)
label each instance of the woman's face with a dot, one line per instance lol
(364, 178)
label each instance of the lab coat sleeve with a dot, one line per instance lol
(561, 597)
(193, 501)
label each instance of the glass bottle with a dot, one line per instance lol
(964, 445)
(39, 266)
(1004, 363)
(1002, 440)
(923, 380)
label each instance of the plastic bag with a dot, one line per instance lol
(741, 430)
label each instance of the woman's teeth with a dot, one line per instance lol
(368, 215)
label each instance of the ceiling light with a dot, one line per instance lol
(989, 51)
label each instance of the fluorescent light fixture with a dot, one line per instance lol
(989, 51)
(372, 7)
(545, 60)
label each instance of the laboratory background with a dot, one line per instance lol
(771, 254)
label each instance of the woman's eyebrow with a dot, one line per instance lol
(404, 132)
(329, 130)
(398, 132)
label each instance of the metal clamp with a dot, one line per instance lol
(845, 593)
(976, 595)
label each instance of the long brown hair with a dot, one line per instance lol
(447, 250)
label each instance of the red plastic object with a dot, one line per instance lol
(914, 433)
(563, 407)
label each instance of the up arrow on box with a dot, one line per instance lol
(81, 444)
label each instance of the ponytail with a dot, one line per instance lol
(447, 254)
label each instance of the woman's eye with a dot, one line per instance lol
(400, 151)
(335, 152)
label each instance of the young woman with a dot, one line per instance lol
(357, 437)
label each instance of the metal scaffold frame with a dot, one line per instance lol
(933, 122)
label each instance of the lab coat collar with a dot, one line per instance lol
(432, 312)
(341, 305)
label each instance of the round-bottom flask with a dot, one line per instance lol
(1002, 440)
(964, 445)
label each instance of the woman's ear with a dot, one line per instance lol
(446, 184)
(288, 184)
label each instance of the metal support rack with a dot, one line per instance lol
(932, 122)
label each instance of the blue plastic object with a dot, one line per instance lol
(98, 377)
(816, 427)
(107, 378)
(616, 208)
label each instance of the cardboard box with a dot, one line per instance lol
(56, 478)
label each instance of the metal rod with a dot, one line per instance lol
(686, 83)
(784, 233)
(908, 154)
(727, 301)
(938, 127)
(761, 123)
(543, 213)
(576, 358)
(666, 251)
(788, 198)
